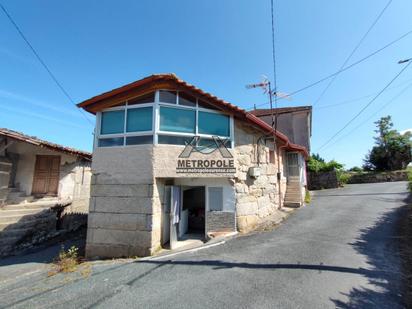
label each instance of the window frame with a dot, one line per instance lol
(156, 121)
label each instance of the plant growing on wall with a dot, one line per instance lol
(392, 150)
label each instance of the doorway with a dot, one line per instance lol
(292, 160)
(187, 215)
(46, 175)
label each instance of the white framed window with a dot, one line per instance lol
(162, 117)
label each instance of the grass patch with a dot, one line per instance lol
(308, 197)
(66, 262)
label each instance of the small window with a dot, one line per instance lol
(167, 96)
(214, 124)
(186, 99)
(112, 122)
(139, 119)
(139, 140)
(215, 198)
(174, 140)
(177, 120)
(146, 98)
(110, 142)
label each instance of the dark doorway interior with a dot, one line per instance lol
(194, 204)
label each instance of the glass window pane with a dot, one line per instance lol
(109, 142)
(177, 120)
(204, 104)
(209, 143)
(112, 122)
(214, 124)
(186, 99)
(167, 96)
(139, 119)
(146, 98)
(139, 140)
(215, 198)
(174, 140)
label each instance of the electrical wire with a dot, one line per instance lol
(36, 54)
(352, 53)
(345, 68)
(373, 115)
(365, 107)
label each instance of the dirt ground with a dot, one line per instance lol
(405, 243)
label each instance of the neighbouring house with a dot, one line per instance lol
(172, 162)
(296, 123)
(39, 182)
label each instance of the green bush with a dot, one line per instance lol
(308, 198)
(343, 177)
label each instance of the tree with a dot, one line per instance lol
(392, 150)
(317, 164)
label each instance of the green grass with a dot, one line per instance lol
(308, 198)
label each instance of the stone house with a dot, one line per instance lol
(40, 182)
(172, 162)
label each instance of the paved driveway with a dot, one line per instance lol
(338, 252)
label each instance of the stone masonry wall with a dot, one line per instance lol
(256, 198)
(121, 219)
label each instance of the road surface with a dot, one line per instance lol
(338, 252)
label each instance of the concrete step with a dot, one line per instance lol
(292, 204)
(32, 205)
(13, 233)
(13, 218)
(26, 223)
(19, 199)
(7, 241)
(19, 211)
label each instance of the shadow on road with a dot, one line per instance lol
(380, 244)
(217, 264)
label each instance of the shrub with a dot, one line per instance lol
(67, 261)
(308, 198)
(343, 177)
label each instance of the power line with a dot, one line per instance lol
(274, 62)
(36, 54)
(360, 98)
(347, 67)
(373, 115)
(365, 107)
(352, 52)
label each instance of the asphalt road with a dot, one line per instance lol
(338, 252)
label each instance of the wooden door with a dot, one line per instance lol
(46, 175)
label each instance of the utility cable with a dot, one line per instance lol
(36, 54)
(352, 53)
(345, 68)
(365, 107)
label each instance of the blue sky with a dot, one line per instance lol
(220, 46)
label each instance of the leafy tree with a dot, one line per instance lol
(317, 164)
(392, 150)
(355, 169)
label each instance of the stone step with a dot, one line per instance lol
(33, 205)
(19, 199)
(19, 211)
(13, 233)
(7, 241)
(13, 218)
(26, 223)
(292, 204)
